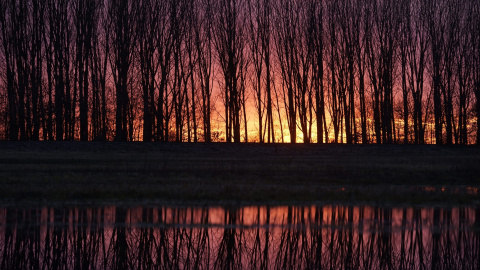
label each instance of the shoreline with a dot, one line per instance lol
(97, 172)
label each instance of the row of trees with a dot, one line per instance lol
(349, 71)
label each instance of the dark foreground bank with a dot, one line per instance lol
(93, 172)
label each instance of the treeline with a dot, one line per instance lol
(373, 71)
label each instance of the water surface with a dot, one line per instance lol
(250, 237)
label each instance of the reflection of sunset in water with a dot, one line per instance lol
(240, 237)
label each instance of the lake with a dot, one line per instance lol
(239, 237)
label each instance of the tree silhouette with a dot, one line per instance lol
(317, 70)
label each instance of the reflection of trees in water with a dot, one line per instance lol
(229, 249)
(236, 238)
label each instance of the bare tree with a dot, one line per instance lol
(229, 43)
(450, 49)
(475, 33)
(259, 43)
(414, 49)
(464, 68)
(84, 16)
(190, 79)
(99, 67)
(381, 42)
(295, 52)
(147, 30)
(334, 99)
(177, 17)
(203, 38)
(36, 63)
(22, 26)
(436, 29)
(346, 20)
(123, 16)
(284, 39)
(59, 51)
(255, 27)
(360, 50)
(7, 28)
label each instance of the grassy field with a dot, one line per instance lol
(94, 172)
